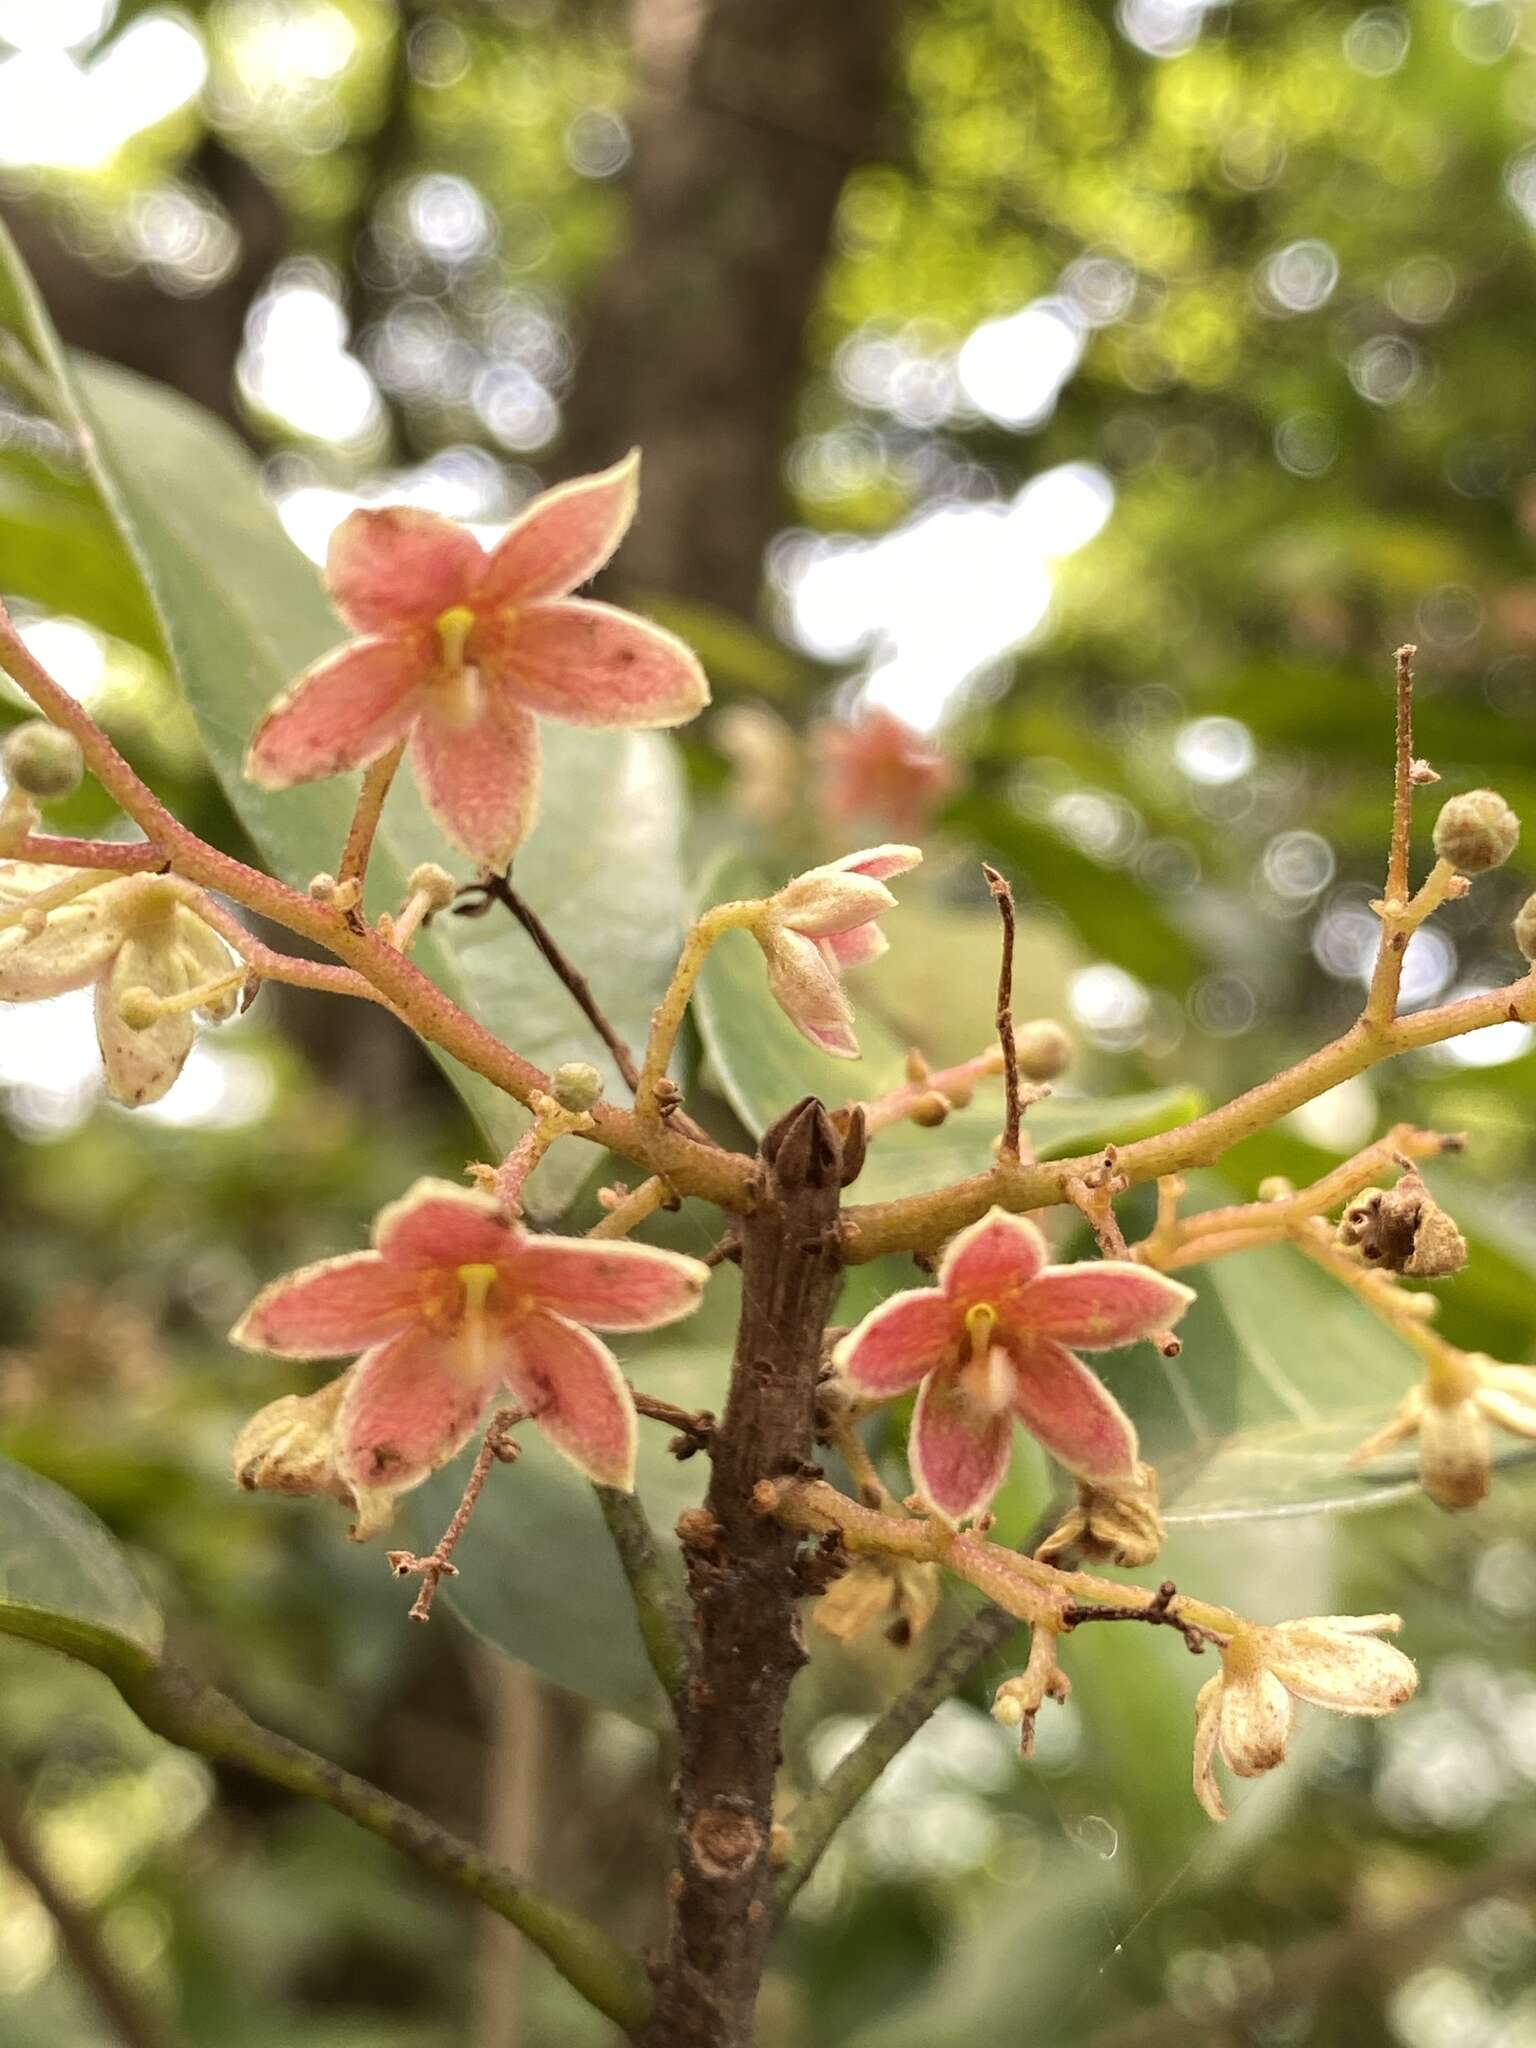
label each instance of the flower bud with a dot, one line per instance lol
(42, 760)
(433, 882)
(1044, 1050)
(576, 1085)
(1476, 831)
(1525, 928)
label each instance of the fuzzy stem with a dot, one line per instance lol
(634, 1207)
(122, 856)
(667, 1018)
(365, 818)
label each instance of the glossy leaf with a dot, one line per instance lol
(239, 611)
(63, 1579)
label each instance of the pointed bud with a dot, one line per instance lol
(1476, 831)
(42, 760)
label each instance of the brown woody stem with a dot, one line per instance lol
(1014, 1109)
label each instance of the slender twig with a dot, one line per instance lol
(132, 2021)
(496, 1448)
(123, 856)
(1093, 1196)
(632, 1205)
(1014, 1111)
(1159, 1612)
(659, 1606)
(1387, 974)
(695, 1426)
(365, 818)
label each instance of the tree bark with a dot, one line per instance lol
(752, 114)
(747, 1584)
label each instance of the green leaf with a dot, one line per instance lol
(64, 1581)
(539, 1577)
(762, 1065)
(240, 612)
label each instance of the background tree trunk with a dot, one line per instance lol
(752, 113)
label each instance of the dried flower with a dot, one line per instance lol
(990, 1343)
(155, 964)
(1476, 831)
(1450, 1413)
(1117, 1520)
(892, 1592)
(42, 760)
(878, 768)
(1404, 1230)
(820, 923)
(459, 649)
(1331, 1660)
(453, 1303)
(290, 1445)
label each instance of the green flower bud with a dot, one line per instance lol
(42, 760)
(576, 1085)
(1476, 832)
(1044, 1050)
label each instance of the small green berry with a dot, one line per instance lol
(576, 1085)
(1476, 831)
(42, 760)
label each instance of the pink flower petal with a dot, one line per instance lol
(609, 1285)
(957, 1450)
(580, 1399)
(409, 1406)
(435, 1223)
(331, 1309)
(992, 1261)
(900, 1342)
(590, 664)
(563, 538)
(858, 948)
(808, 991)
(1100, 1303)
(481, 780)
(1069, 1409)
(391, 567)
(343, 713)
(879, 863)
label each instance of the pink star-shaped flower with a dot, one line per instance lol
(820, 923)
(878, 767)
(990, 1343)
(453, 1303)
(461, 648)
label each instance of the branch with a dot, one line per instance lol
(659, 1607)
(178, 1706)
(130, 2019)
(721, 1177)
(921, 1223)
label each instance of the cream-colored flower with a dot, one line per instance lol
(1450, 1414)
(1330, 1660)
(155, 964)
